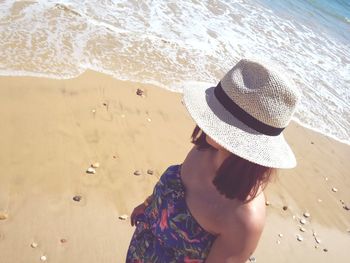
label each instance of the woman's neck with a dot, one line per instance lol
(209, 159)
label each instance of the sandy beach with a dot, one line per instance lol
(53, 130)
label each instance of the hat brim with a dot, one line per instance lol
(232, 134)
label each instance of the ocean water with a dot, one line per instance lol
(178, 43)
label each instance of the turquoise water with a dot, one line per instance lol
(184, 42)
(331, 16)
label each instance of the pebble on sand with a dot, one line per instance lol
(300, 238)
(302, 229)
(267, 203)
(149, 119)
(63, 240)
(280, 235)
(346, 207)
(3, 216)
(325, 250)
(306, 214)
(34, 245)
(302, 221)
(137, 172)
(140, 92)
(95, 165)
(77, 198)
(285, 207)
(91, 170)
(123, 217)
(318, 241)
(334, 189)
(43, 258)
(149, 171)
(252, 259)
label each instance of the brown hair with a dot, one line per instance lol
(236, 178)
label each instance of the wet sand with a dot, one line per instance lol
(53, 130)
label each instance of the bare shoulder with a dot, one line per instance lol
(251, 216)
(239, 233)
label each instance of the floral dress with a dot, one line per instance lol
(167, 232)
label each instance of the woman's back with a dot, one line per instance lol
(213, 211)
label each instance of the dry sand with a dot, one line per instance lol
(52, 130)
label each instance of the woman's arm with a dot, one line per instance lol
(140, 209)
(148, 200)
(237, 242)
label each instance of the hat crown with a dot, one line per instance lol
(262, 92)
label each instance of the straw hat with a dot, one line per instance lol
(247, 112)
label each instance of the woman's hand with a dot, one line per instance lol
(138, 210)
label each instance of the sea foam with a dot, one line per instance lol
(171, 43)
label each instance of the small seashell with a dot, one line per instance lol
(123, 217)
(137, 172)
(334, 189)
(77, 198)
(341, 201)
(285, 207)
(43, 258)
(302, 229)
(95, 165)
(252, 259)
(90, 170)
(267, 203)
(3, 216)
(34, 245)
(346, 207)
(300, 238)
(149, 171)
(318, 241)
(280, 235)
(302, 221)
(149, 120)
(306, 214)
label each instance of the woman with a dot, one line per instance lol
(212, 207)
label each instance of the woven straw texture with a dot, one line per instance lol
(262, 94)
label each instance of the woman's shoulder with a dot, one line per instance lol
(239, 233)
(247, 217)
